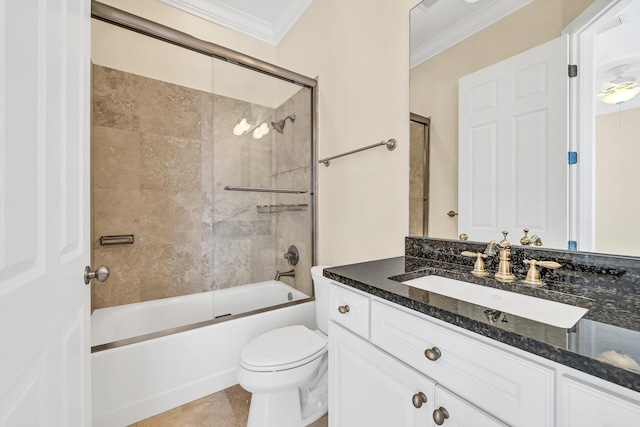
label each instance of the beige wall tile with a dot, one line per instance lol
(174, 269)
(116, 211)
(123, 285)
(115, 158)
(169, 163)
(170, 218)
(115, 99)
(172, 110)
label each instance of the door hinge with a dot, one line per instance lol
(572, 245)
(572, 158)
(573, 70)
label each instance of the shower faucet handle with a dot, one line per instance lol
(292, 255)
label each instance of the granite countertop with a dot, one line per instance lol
(577, 348)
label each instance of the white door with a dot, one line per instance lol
(44, 212)
(513, 139)
(369, 388)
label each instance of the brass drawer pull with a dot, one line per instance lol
(433, 354)
(439, 415)
(343, 309)
(418, 399)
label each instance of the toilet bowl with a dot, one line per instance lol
(286, 369)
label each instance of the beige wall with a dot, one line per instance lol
(359, 51)
(434, 90)
(617, 195)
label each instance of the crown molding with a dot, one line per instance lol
(223, 14)
(465, 28)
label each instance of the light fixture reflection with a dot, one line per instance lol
(619, 93)
(261, 131)
(621, 89)
(241, 127)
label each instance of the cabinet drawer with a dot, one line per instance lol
(350, 309)
(515, 390)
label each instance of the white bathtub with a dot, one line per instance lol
(135, 381)
(133, 320)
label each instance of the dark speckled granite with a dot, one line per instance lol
(613, 282)
(608, 285)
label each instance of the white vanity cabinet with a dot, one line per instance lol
(587, 404)
(383, 356)
(516, 390)
(370, 388)
(460, 413)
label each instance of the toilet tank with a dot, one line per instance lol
(321, 288)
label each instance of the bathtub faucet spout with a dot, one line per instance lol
(290, 273)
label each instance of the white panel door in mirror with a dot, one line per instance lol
(515, 176)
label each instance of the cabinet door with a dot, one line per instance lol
(515, 389)
(585, 405)
(460, 413)
(369, 388)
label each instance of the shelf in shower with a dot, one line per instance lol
(281, 208)
(266, 189)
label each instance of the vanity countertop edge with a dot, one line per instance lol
(374, 278)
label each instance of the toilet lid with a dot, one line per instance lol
(282, 346)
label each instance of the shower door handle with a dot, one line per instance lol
(100, 274)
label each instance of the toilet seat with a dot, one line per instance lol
(283, 348)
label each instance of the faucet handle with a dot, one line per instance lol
(478, 267)
(533, 276)
(504, 243)
(525, 241)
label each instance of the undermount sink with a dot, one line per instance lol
(538, 309)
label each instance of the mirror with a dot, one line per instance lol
(434, 94)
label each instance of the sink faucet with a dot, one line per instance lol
(290, 273)
(504, 266)
(491, 248)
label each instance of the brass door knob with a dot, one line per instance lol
(452, 213)
(418, 399)
(439, 415)
(433, 354)
(343, 309)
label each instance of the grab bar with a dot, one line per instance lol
(265, 190)
(391, 145)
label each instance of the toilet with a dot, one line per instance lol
(286, 369)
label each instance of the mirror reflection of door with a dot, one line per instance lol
(512, 147)
(419, 175)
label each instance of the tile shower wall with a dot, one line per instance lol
(293, 170)
(153, 161)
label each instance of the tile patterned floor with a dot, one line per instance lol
(226, 408)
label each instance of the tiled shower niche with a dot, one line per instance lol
(161, 157)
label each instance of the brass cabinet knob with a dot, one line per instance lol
(439, 415)
(418, 399)
(343, 309)
(433, 354)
